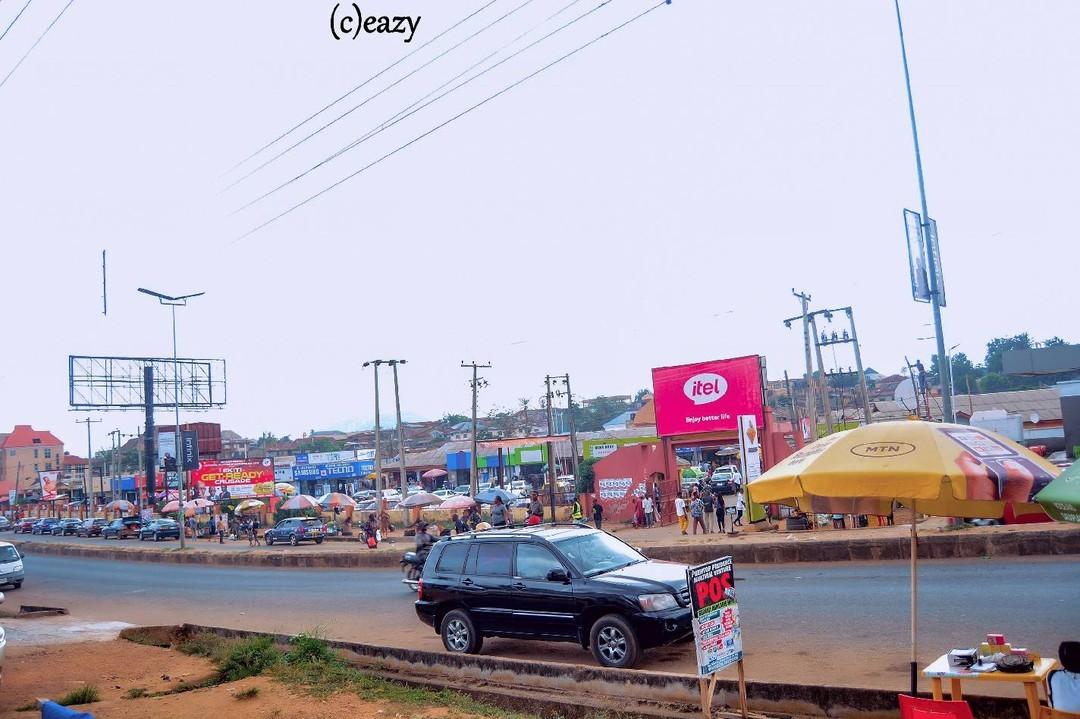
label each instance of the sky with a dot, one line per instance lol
(650, 200)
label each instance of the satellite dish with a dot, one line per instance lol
(905, 396)
(1034, 418)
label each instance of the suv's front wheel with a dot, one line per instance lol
(614, 643)
(459, 634)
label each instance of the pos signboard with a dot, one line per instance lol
(707, 396)
(717, 634)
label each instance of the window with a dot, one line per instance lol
(534, 562)
(48, 452)
(48, 466)
(36, 468)
(11, 453)
(493, 558)
(35, 452)
(452, 559)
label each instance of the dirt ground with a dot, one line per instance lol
(117, 666)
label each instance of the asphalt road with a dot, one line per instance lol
(838, 623)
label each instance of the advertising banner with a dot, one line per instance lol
(707, 396)
(333, 470)
(241, 478)
(189, 450)
(327, 457)
(48, 482)
(166, 445)
(717, 635)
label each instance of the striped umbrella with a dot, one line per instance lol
(300, 501)
(337, 499)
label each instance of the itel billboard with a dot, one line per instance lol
(242, 479)
(707, 396)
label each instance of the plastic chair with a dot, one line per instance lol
(919, 708)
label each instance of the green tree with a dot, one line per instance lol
(998, 346)
(641, 394)
(995, 382)
(1055, 342)
(452, 419)
(583, 483)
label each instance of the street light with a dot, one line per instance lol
(173, 303)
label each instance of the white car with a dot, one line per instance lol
(443, 494)
(3, 645)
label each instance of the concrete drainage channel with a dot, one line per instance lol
(574, 691)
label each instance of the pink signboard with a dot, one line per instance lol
(707, 396)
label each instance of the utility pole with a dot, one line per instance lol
(565, 379)
(474, 477)
(811, 399)
(864, 394)
(400, 432)
(87, 478)
(378, 441)
(826, 401)
(550, 445)
(791, 399)
(933, 255)
(114, 436)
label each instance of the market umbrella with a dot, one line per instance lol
(300, 501)
(174, 506)
(1061, 498)
(434, 474)
(420, 499)
(120, 505)
(284, 488)
(337, 499)
(946, 470)
(248, 504)
(199, 503)
(458, 502)
(488, 496)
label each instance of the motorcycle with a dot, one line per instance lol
(412, 564)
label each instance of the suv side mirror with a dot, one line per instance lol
(558, 575)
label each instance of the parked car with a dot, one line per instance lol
(295, 530)
(3, 646)
(462, 489)
(121, 528)
(5, 524)
(44, 525)
(11, 565)
(443, 494)
(92, 527)
(726, 479)
(555, 583)
(24, 525)
(159, 529)
(65, 527)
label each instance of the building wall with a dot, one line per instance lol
(35, 458)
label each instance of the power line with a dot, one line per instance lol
(40, 37)
(458, 116)
(391, 66)
(392, 85)
(12, 23)
(395, 119)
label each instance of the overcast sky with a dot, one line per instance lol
(651, 200)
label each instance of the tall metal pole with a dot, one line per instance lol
(944, 382)
(378, 445)
(826, 401)
(88, 486)
(864, 394)
(401, 431)
(474, 463)
(573, 428)
(176, 433)
(811, 400)
(550, 446)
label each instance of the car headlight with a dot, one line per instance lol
(657, 602)
(18, 566)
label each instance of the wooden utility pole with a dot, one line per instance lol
(811, 399)
(826, 401)
(474, 464)
(550, 445)
(88, 485)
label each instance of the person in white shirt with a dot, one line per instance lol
(740, 507)
(680, 512)
(1064, 684)
(647, 507)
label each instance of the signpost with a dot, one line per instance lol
(189, 450)
(717, 634)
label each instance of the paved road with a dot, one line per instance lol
(839, 623)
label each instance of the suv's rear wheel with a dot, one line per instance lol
(614, 643)
(292, 539)
(459, 634)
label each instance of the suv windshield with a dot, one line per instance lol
(597, 552)
(8, 554)
(311, 523)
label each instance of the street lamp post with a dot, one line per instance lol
(173, 303)
(378, 441)
(400, 438)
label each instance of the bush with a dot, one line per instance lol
(249, 693)
(309, 649)
(135, 693)
(249, 658)
(86, 694)
(206, 645)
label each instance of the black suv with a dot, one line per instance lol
(295, 530)
(159, 529)
(65, 527)
(555, 583)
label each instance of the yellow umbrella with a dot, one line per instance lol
(946, 470)
(248, 504)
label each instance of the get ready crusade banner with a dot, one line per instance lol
(242, 478)
(717, 635)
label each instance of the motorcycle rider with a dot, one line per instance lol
(423, 542)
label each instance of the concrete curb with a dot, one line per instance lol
(946, 545)
(574, 690)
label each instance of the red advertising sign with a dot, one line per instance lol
(241, 478)
(707, 396)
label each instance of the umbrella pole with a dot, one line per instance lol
(914, 603)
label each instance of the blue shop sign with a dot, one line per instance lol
(332, 470)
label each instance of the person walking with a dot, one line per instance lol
(697, 512)
(680, 512)
(740, 507)
(657, 504)
(709, 509)
(536, 507)
(597, 514)
(212, 530)
(721, 512)
(222, 527)
(647, 509)
(498, 513)
(575, 511)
